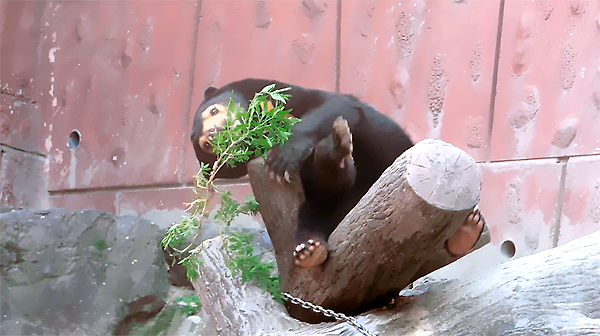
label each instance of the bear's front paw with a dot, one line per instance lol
(287, 161)
(310, 253)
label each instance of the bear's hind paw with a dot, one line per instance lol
(310, 253)
(467, 235)
(342, 140)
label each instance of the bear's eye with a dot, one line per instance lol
(214, 111)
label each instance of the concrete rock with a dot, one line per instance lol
(77, 273)
(175, 319)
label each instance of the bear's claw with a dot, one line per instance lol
(310, 253)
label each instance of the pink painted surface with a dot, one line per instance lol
(139, 202)
(99, 200)
(20, 24)
(21, 122)
(427, 64)
(129, 75)
(143, 201)
(119, 72)
(18, 128)
(548, 101)
(292, 41)
(581, 207)
(519, 202)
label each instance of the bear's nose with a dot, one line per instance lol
(210, 133)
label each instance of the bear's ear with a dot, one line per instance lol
(209, 91)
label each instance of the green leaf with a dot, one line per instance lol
(267, 88)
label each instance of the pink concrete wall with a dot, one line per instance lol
(516, 84)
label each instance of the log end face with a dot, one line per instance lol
(443, 175)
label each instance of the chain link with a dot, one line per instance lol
(329, 313)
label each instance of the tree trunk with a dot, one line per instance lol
(394, 234)
(554, 292)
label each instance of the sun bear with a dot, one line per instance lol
(339, 149)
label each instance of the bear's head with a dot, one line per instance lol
(210, 119)
(211, 116)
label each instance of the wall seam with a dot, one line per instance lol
(1, 155)
(495, 80)
(2, 176)
(134, 188)
(117, 203)
(38, 154)
(559, 201)
(338, 45)
(22, 98)
(188, 105)
(539, 158)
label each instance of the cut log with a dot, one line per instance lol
(394, 235)
(554, 292)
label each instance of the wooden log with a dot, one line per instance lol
(236, 308)
(553, 292)
(393, 235)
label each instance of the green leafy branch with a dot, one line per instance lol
(247, 133)
(243, 259)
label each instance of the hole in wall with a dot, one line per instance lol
(74, 139)
(508, 249)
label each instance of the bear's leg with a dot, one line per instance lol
(331, 173)
(311, 239)
(467, 235)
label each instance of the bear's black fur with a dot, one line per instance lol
(338, 159)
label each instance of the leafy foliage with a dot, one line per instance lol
(230, 208)
(255, 130)
(190, 304)
(247, 133)
(243, 259)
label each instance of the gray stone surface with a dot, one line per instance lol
(77, 272)
(174, 320)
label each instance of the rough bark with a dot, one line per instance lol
(554, 292)
(237, 308)
(392, 236)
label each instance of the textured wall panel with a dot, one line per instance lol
(427, 64)
(581, 206)
(21, 123)
(22, 179)
(292, 40)
(118, 72)
(166, 206)
(519, 203)
(142, 201)
(97, 200)
(21, 22)
(548, 101)
(139, 202)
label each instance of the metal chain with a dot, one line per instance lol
(329, 313)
